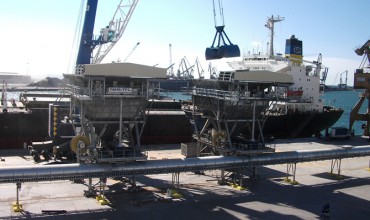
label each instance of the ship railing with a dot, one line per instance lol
(86, 91)
(230, 95)
(77, 90)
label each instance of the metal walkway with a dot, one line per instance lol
(81, 171)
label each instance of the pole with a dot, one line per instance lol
(120, 122)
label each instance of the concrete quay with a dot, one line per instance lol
(200, 197)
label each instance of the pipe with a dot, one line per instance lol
(81, 171)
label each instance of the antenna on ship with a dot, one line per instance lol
(270, 25)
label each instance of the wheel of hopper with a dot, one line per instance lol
(76, 139)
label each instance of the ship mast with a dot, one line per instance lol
(270, 25)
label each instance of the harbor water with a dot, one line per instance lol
(346, 100)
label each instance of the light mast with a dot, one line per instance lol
(171, 64)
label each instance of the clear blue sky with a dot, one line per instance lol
(37, 35)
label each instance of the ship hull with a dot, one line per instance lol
(175, 85)
(18, 130)
(293, 125)
(298, 125)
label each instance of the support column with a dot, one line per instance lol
(17, 206)
(254, 120)
(133, 187)
(137, 137)
(254, 173)
(176, 180)
(90, 192)
(120, 121)
(291, 169)
(222, 180)
(336, 163)
(101, 198)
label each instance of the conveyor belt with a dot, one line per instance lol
(82, 171)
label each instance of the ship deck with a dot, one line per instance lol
(13, 107)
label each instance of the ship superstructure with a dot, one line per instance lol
(304, 93)
(300, 111)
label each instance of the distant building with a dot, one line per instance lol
(15, 78)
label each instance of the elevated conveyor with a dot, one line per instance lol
(82, 171)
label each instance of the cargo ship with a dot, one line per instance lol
(26, 120)
(299, 112)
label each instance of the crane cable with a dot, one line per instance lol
(75, 42)
(221, 12)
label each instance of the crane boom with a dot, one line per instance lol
(110, 35)
(364, 50)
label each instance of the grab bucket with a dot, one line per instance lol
(212, 53)
(224, 51)
(229, 51)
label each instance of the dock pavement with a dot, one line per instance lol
(199, 196)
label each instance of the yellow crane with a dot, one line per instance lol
(362, 81)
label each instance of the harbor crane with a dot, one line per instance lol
(224, 49)
(213, 72)
(185, 70)
(199, 68)
(341, 84)
(362, 81)
(109, 35)
(324, 75)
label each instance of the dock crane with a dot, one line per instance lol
(199, 68)
(224, 49)
(341, 84)
(213, 72)
(109, 35)
(324, 74)
(185, 70)
(362, 81)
